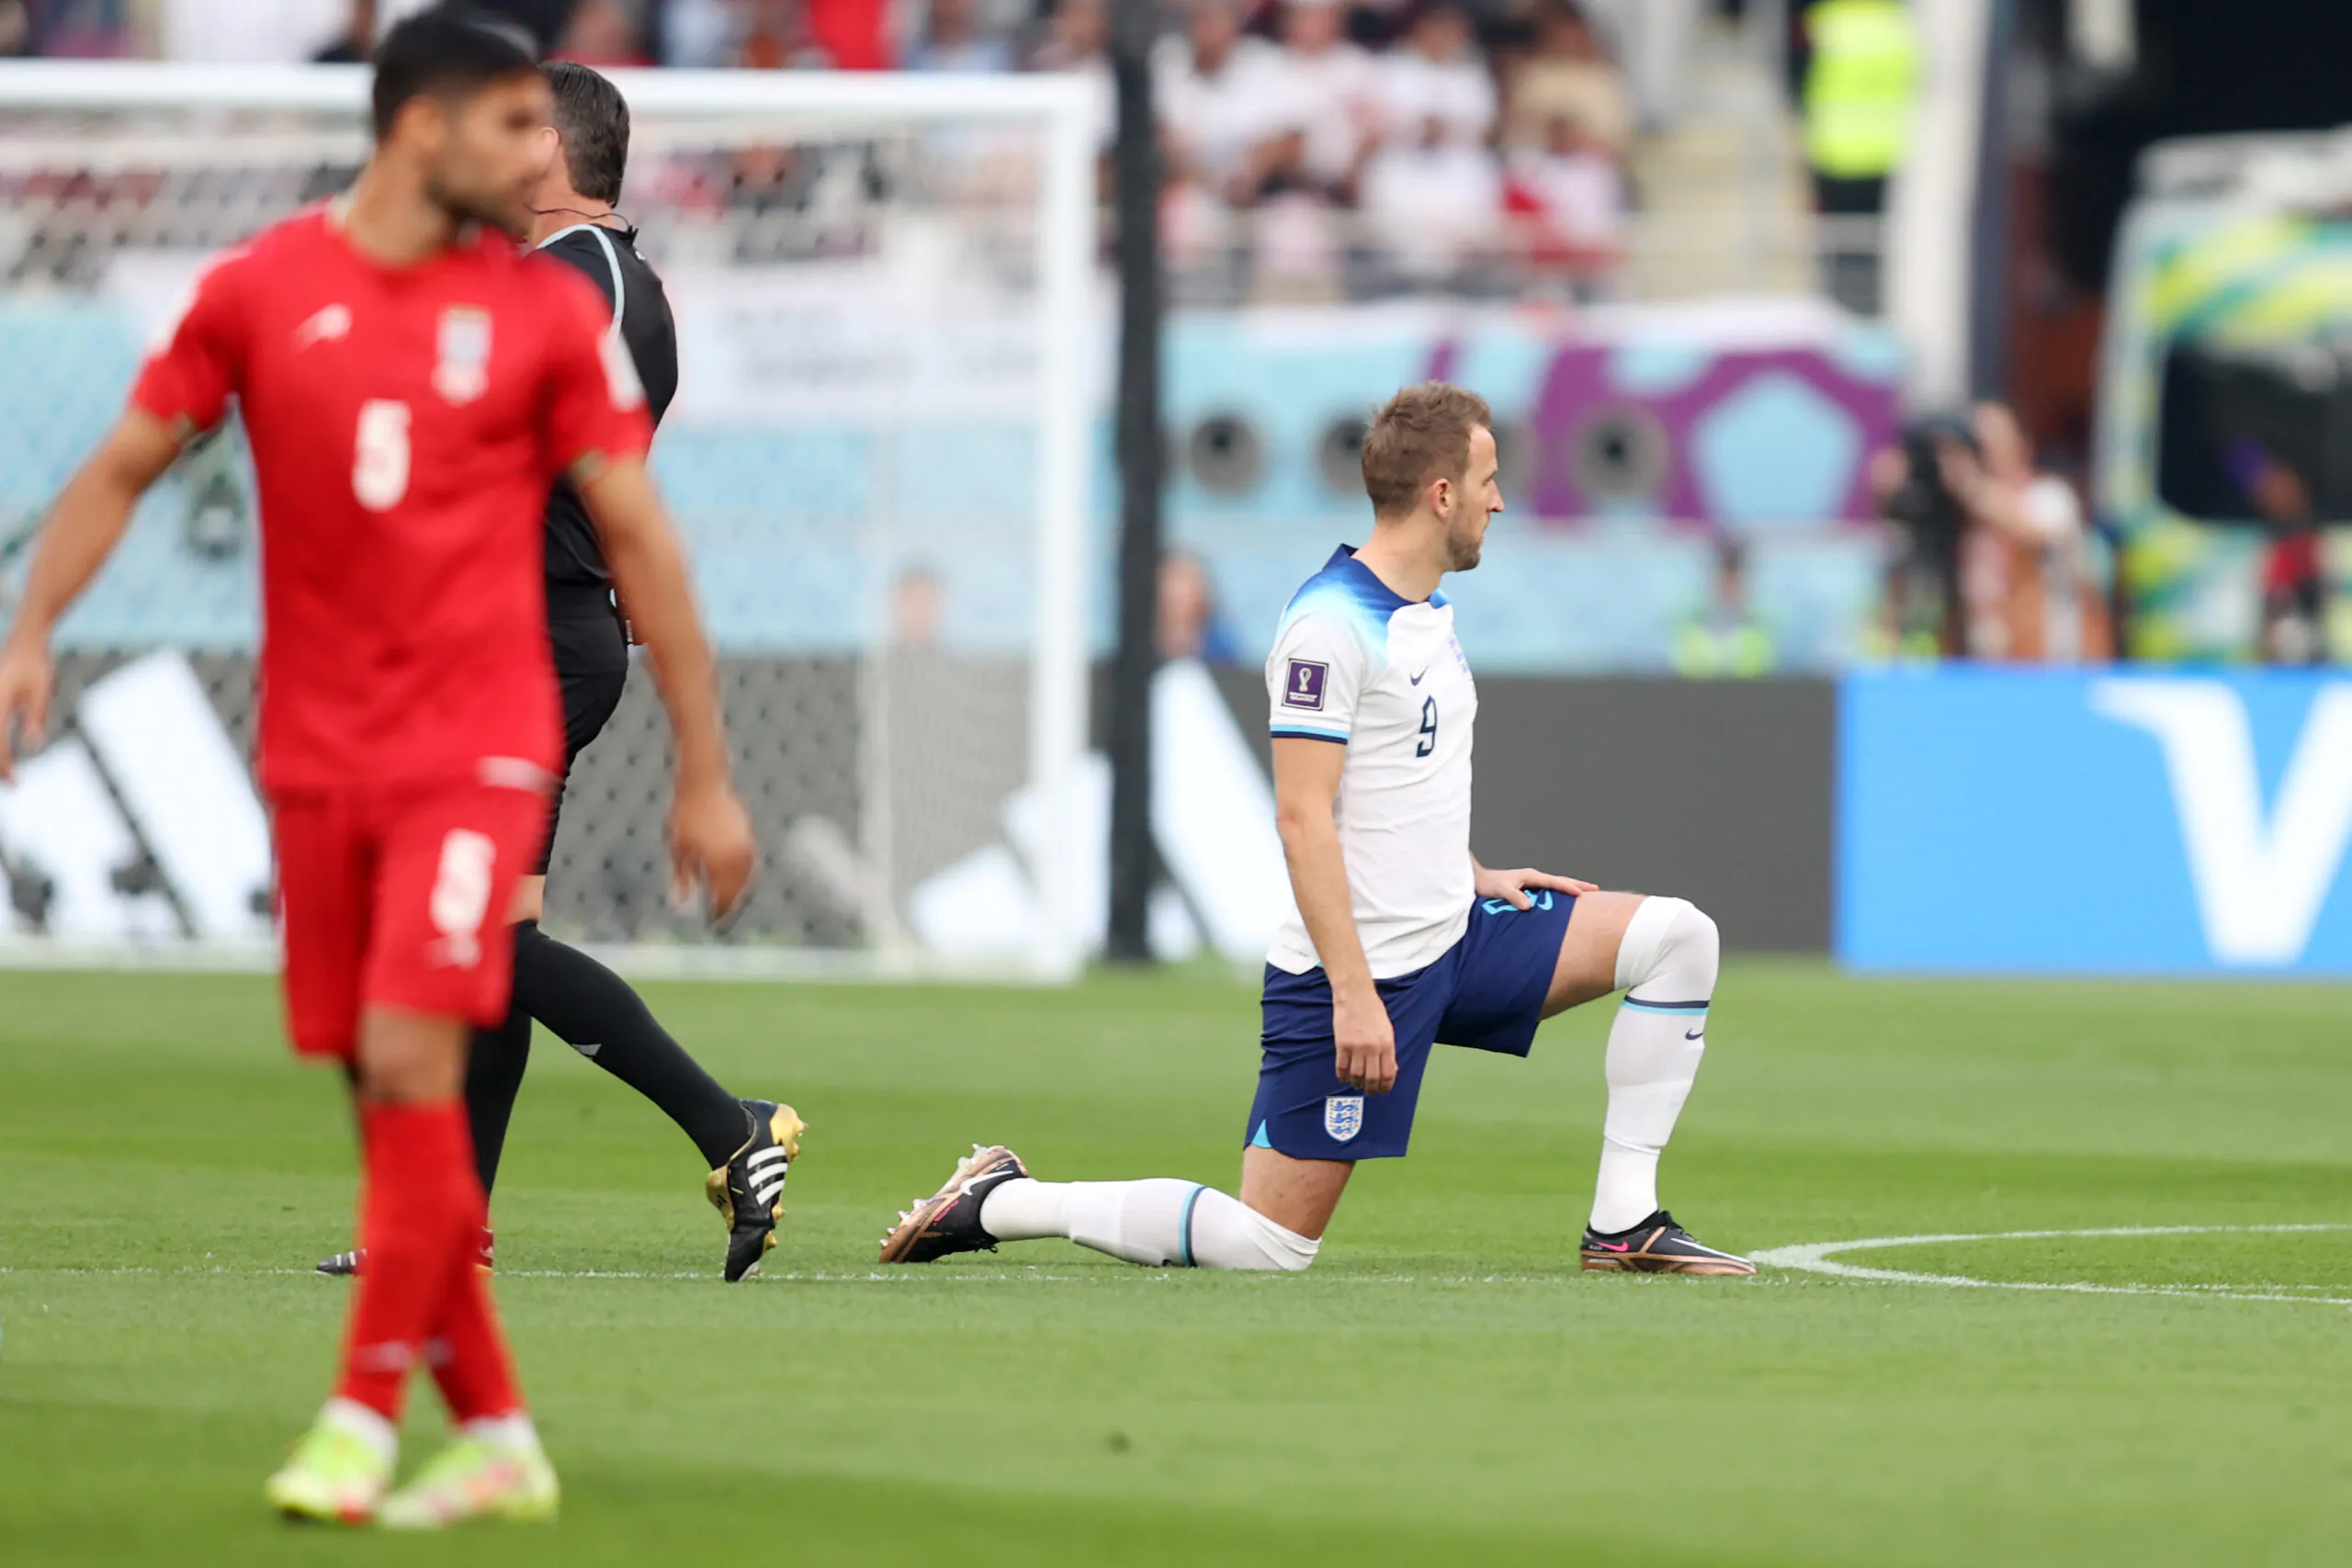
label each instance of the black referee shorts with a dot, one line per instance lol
(591, 666)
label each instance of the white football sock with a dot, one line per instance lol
(1669, 960)
(363, 1423)
(1154, 1221)
(1024, 1209)
(512, 1430)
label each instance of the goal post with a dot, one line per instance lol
(879, 457)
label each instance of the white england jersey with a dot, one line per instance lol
(1356, 664)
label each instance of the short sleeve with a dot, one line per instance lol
(196, 361)
(593, 406)
(1313, 677)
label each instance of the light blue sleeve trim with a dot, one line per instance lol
(1698, 1012)
(1292, 732)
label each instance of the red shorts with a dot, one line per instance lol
(399, 898)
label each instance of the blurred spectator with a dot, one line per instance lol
(2000, 555)
(1651, 41)
(1725, 637)
(76, 28)
(356, 43)
(779, 177)
(1325, 94)
(855, 34)
(1375, 24)
(1297, 252)
(2025, 569)
(918, 605)
(1436, 74)
(1077, 40)
(1216, 89)
(776, 36)
(1568, 75)
(2293, 628)
(1571, 202)
(1191, 625)
(248, 32)
(66, 29)
(1077, 37)
(1860, 95)
(1433, 199)
(543, 19)
(696, 33)
(953, 39)
(603, 34)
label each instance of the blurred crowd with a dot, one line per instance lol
(1313, 147)
(1321, 147)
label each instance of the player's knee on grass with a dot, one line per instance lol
(1234, 1235)
(1672, 952)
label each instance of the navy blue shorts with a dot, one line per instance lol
(1486, 993)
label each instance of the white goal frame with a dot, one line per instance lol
(1060, 109)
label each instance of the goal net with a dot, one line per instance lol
(878, 457)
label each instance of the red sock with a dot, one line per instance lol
(419, 1213)
(468, 1350)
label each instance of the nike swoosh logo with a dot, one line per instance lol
(1613, 1245)
(1417, 679)
(1694, 1035)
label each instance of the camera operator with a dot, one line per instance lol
(1993, 559)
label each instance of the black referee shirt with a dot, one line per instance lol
(641, 311)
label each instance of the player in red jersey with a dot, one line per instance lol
(411, 383)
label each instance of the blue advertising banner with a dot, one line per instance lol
(2026, 821)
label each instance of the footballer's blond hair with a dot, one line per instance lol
(1421, 434)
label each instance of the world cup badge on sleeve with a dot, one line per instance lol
(1343, 1116)
(461, 373)
(1303, 686)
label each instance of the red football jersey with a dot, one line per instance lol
(406, 423)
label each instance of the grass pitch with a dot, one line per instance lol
(1443, 1387)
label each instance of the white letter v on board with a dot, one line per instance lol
(2259, 885)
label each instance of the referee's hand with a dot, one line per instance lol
(711, 847)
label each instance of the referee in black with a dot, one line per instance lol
(745, 1143)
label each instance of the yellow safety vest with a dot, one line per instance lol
(1862, 89)
(1741, 652)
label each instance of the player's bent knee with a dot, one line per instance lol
(408, 1057)
(1293, 1263)
(1669, 946)
(1289, 1251)
(1699, 940)
(1296, 1195)
(1248, 1240)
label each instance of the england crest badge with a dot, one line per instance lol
(461, 372)
(1343, 1116)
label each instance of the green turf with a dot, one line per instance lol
(1443, 1387)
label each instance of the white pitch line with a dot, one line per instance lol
(1816, 1257)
